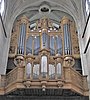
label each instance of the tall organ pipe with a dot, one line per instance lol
(67, 39)
(22, 37)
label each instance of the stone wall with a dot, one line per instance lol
(86, 55)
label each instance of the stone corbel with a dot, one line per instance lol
(27, 83)
(68, 61)
(43, 83)
(19, 61)
(60, 83)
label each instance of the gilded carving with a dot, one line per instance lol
(76, 50)
(74, 37)
(13, 44)
(19, 61)
(12, 50)
(68, 61)
(27, 83)
(60, 83)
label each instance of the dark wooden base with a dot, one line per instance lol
(39, 94)
(9, 97)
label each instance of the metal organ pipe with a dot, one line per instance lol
(22, 37)
(44, 66)
(45, 40)
(67, 39)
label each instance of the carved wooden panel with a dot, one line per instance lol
(11, 77)
(76, 78)
(13, 44)
(74, 37)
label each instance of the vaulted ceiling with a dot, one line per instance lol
(33, 9)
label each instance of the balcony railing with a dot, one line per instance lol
(70, 79)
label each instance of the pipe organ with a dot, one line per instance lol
(44, 37)
(45, 56)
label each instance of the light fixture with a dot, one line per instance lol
(32, 30)
(43, 29)
(55, 29)
(43, 88)
(39, 30)
(48, 30)
(35, 37)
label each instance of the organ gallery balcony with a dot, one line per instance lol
(55, 73)
(44, 59)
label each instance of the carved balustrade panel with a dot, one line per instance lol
(70, 75)
(66, 74)
(77, 79)
(11, 77)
